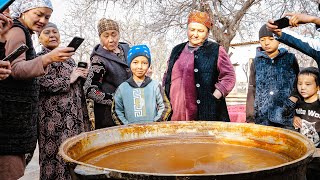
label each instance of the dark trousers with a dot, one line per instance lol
(313, 169)
(103, 116)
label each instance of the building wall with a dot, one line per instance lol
(241, 54)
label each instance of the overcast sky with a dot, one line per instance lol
(58, 11)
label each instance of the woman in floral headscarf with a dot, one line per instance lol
(199, 75)
(19, 92)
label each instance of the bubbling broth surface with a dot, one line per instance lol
(182, 157)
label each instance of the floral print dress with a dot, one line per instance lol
(62, 114)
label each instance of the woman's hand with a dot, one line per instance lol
(297, 122)
(74, 75)
(84, 72)
(78, 72)
(58, 54)
(5, 24)
(217, 94)
(5, 69)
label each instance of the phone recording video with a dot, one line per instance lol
(282, 22)
(76, 42)
(4, 4)
(82, 64)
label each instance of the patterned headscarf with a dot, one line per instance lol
(200, 17)
(20, 6)
(107, 24)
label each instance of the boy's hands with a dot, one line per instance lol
(297, 122)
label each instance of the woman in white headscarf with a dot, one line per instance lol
(19, 92)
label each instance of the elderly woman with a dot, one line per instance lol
(109, 69)
(19, 92)
(199, 75)
(62, 107)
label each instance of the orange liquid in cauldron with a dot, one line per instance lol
(187, 157)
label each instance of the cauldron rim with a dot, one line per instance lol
(306, 157)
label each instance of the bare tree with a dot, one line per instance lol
(245, 69)
(162, 23)
(80, 21)
(163, 15)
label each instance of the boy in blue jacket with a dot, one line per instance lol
(309, 46)
(272, 75)
(140, 99)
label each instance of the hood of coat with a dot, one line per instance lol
(261, 53)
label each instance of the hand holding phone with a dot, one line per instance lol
(5, 70)
(282, 22)
(16, 53)
(4, 4)
(76, 42)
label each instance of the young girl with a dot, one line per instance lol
(307, 113)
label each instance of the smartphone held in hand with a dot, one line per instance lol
(282, 22)
(16, 53)
(76, 42)
(82, 64)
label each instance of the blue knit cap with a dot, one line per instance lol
(139, 50)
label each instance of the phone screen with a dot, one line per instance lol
(4, 4)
